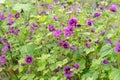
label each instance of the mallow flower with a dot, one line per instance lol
(113, 8)
(117, 48)
(29, 59)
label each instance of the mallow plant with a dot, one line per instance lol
(59, 40)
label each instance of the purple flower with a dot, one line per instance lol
(105, 61)
(51, 28)
(5, 40)
(2, 17)
(16, 32)
(5, 48)
(60, 43)
(73, 22)
(57, 33)
(17, 15)
(55, 18)
(10, 16)
(69, 31)
(34, 25)
(101, 8)
(97, 14)
(73, 48)
(103, 32)
(30, 37)
(43, 12)
(29, 60)
(10, 22)
(2, 60)
(92, 30)
(90, 22)
(113, 8)
(87, 45)
(32, 30)
(66, 45)
(12, 31)
(109, 41)
(117, 48)
(50, 6)
(76, 65)
(67, 72)
(27, 24)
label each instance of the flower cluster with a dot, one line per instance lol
(13, 31)
(66, 45)
(68, 73)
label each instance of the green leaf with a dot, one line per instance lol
(115, 74)
(20, 68)
(105, 50)
(30, 76)
(27, 50)
(70, 1)
(0, 69)
(26, 7)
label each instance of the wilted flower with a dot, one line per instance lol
(73, 22)
(29, 60)
(67, 72)
(109, 41)
(73, 48)
(28, 71)
(113, 8)
(58, 69)
(105, 61)
(32, 30)
(76, 65)
(55, 18)
(57, 33)
(43, 12)
(97, 14)
(101, 7)
(97, 41)
(103, 32)
(117, 48)
(93, 30)
(78, 25)
(90, 22)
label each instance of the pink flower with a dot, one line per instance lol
(57, 33)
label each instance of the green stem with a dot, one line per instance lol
(118, 61)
